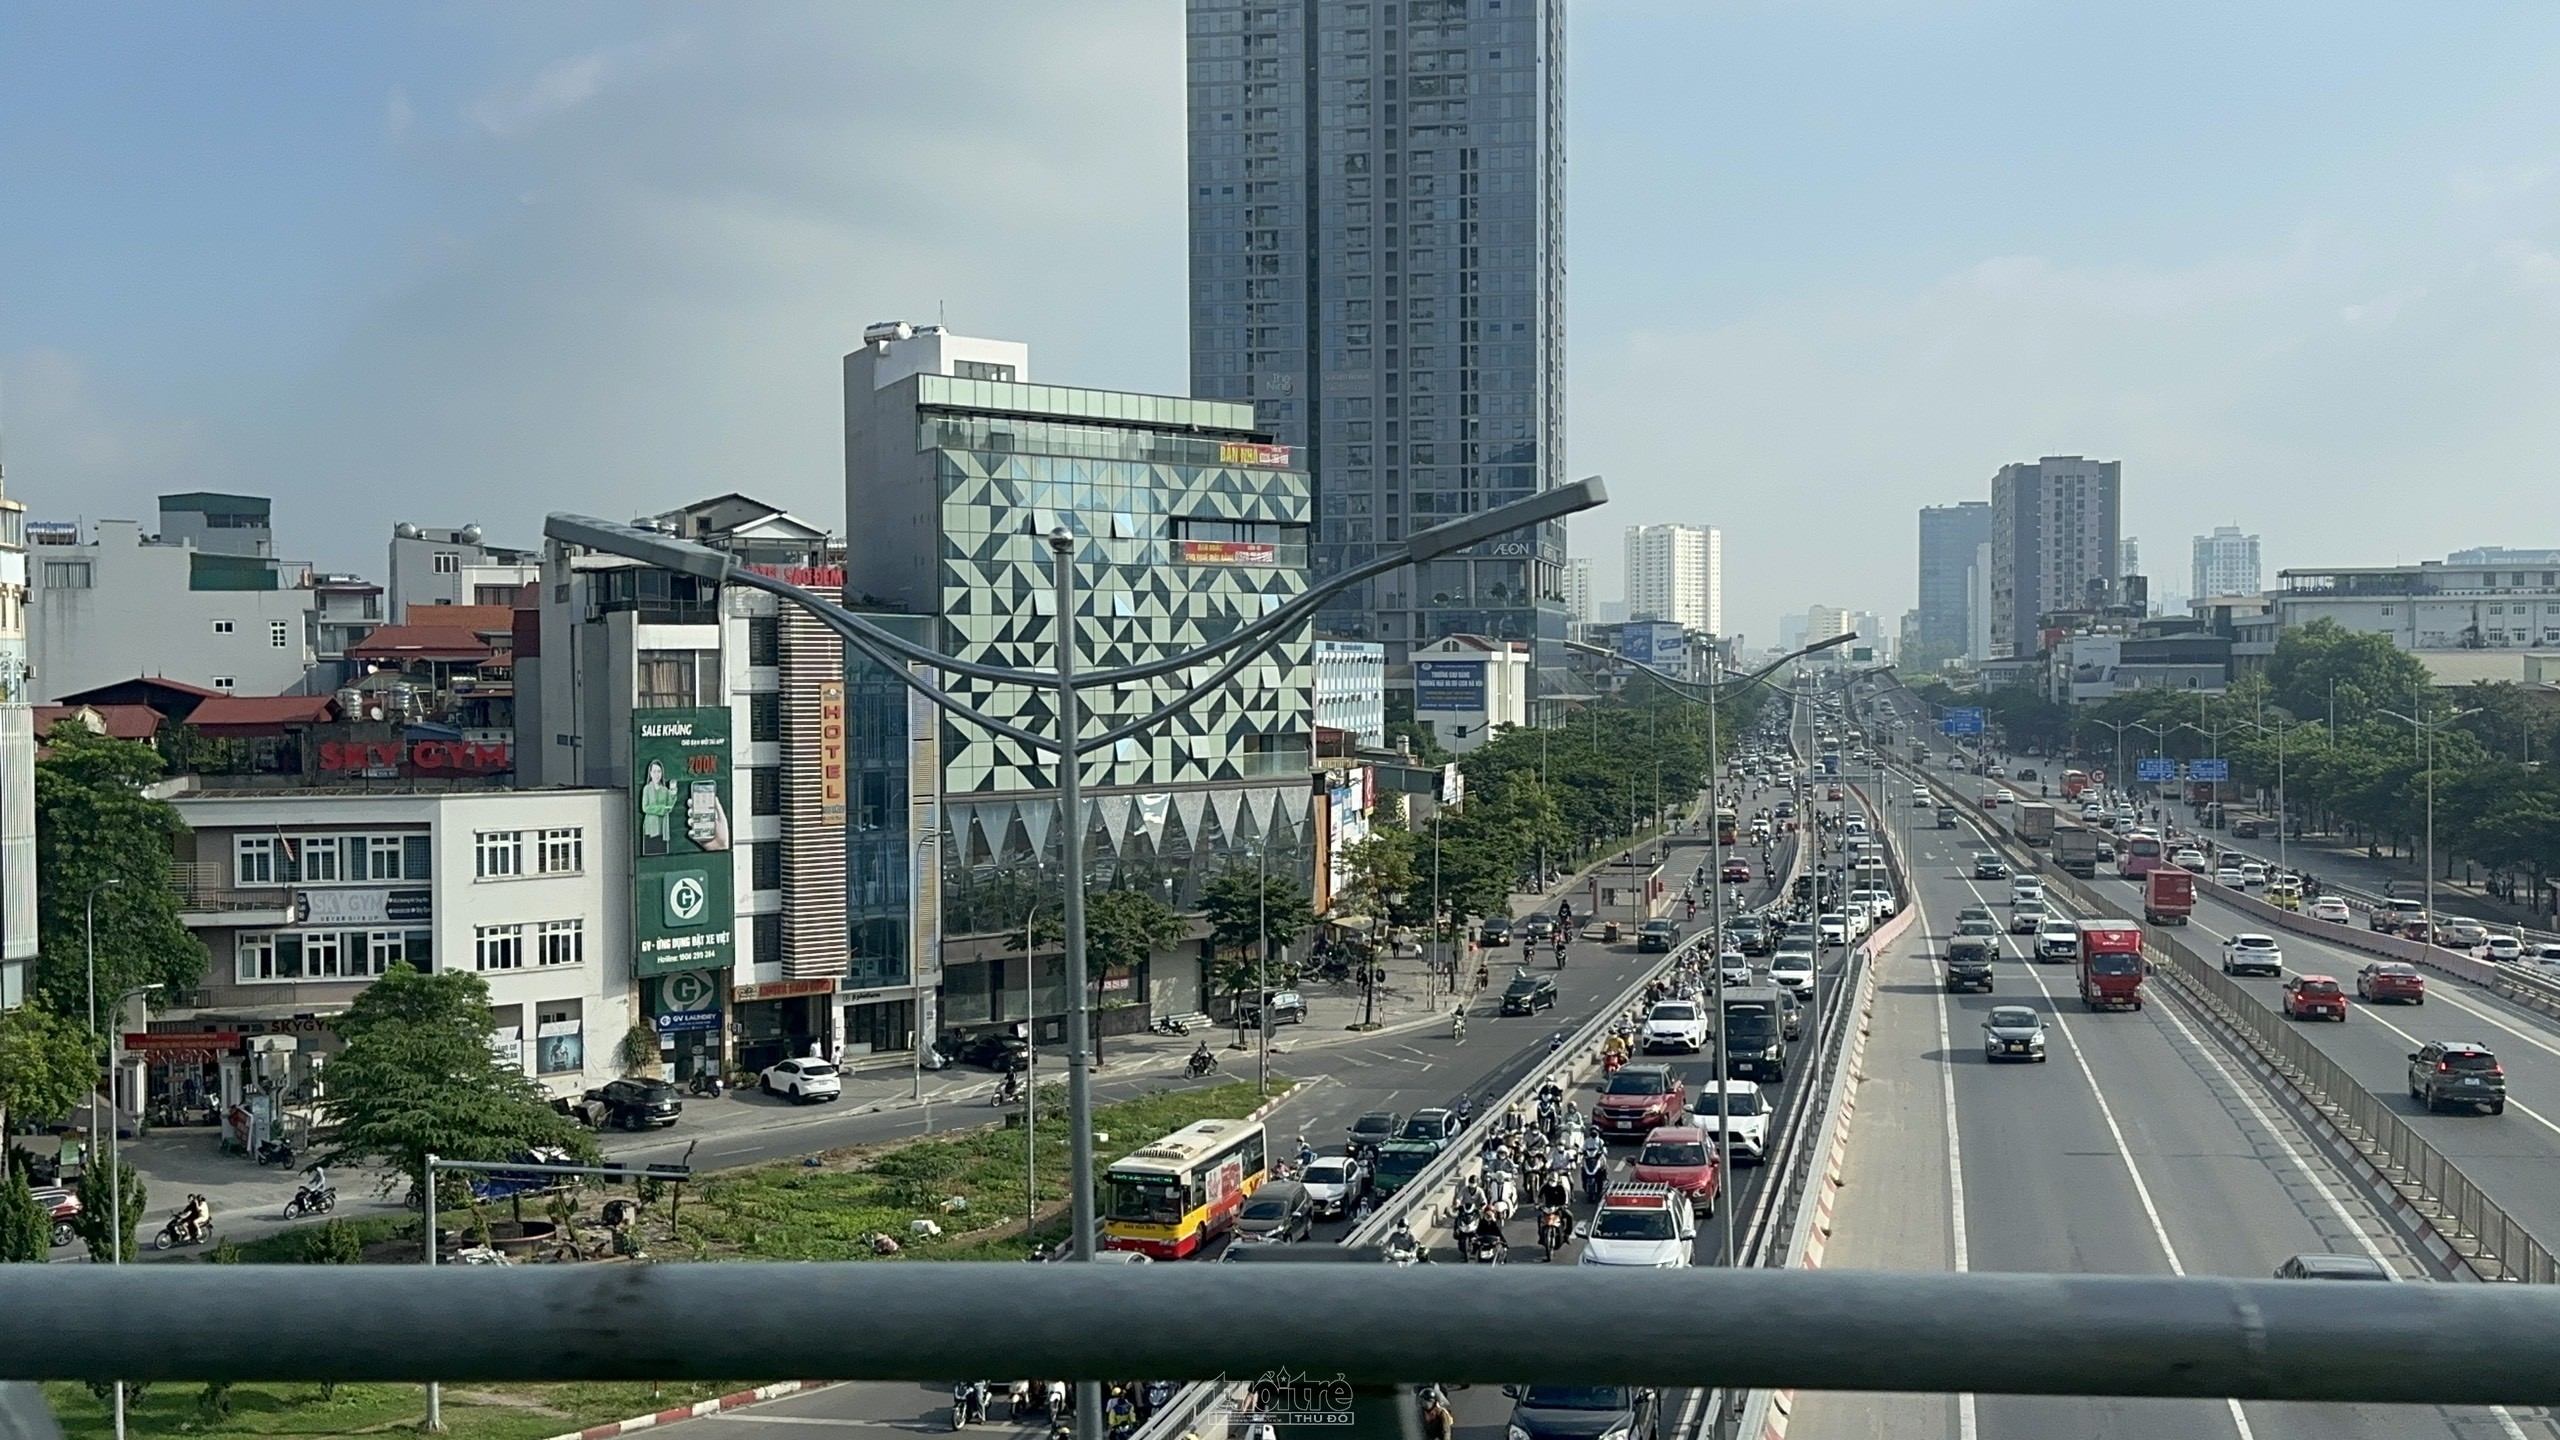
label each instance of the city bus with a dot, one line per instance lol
(1176, 1194)
(1728, 826)
(2073, 782)
(2139, 856)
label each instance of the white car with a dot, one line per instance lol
(2250, 953)
(804, 1080)
(1675, 1025)
(1333, 1183)
(2057, 939)
(2331, 909)
(2189, 858)
(1743, 1115)
(2252, 873)
(1792, 970)
(2007, 797)
(2024, 888)
(1879, 901)
(1834, 929)
(2504, 949)
(2228, 875)
(1641, 1227)
(1736, 967)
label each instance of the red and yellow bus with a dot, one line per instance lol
(1171, 1197)
(1728, 825)
(2073, 782)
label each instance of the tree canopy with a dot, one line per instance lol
(98, 834)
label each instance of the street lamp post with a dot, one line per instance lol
(2428, 729)
(905, 659)
(89, 930)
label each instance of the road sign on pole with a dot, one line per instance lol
(2208, 769)
(1966, 721)
(2155, 770)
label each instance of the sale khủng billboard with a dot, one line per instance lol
(683, 902)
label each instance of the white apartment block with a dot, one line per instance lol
(1577, 590)
(1676, 573)
(121, 604)
(2511, 604)
(454, 567)
(2226, 563)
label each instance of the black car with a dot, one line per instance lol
(1373, 1129)
(1750, 936)
(1496, 930)
(2456, 1072)
(996, 1051)
(1529, 994)
(1987, 866)
(1288, 1007)
(1537, 929)
(1279, 1212)
(633, 1104)
(2334, 1267)
(1657, 935)
(2244, 829)
(1584, 1412)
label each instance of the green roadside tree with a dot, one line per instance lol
(26, 1231)
(418, 1078)
(1245, 906)
(98, 834)
(99, 1197)
(46, 1066)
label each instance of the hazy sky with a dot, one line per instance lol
(2296, 265)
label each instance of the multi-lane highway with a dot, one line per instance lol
(2141, 1146)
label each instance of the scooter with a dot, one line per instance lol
(310, 1201)
(278, 1151)
(190, 1226)
(704, 1082)
(968, 1403)
(1167, 1025)
(1201, 1063)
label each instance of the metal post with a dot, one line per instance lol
(1715, 917)
(435, 1389)
(1030, 1076)
(1079, 1020)
(115, 1176)
(2430, 937)
(1262, 967)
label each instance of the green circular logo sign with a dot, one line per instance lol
(686, 990)
(688, 899)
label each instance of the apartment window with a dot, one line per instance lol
(317, 858)
(382, 858)
(225, 683)
(279, 635)
(765, 790)
(982, 370)
(764, 863)
(497, 947)
(767, 947)
(223, 627)
(563, 852)
(448, 562)
(678, 679)
(764, 716)
(764, 640)
(495, 595)
(386, 948)
(560, 942)
(66, 574)
(259, 860)
(501, 854)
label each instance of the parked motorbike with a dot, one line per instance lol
(277, 1151)
(1168, 1025)
(968, 1403)
(704, 1082)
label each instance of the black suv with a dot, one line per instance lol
(1529, 994)
(1987, 866)
(1657, 935)
(2457, 1072)
(1749, 935)
(634, 1104)
(1496, 931)
(1580, 1412)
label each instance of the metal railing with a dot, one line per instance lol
(1982, 1332)
(2496, 1245)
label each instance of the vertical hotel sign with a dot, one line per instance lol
(683, 910)
(831, 787)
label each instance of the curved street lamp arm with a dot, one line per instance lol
(863, 637)
(1740, 682)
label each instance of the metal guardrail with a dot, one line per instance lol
(1982, 1332)
(2497, 1246)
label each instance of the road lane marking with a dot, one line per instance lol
(1965, 1415)
(2457, 997)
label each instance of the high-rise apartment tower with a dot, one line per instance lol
(1676, 573)
(2056, 532)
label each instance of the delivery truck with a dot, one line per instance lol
(2034, 823)
(2168, 896)
(2075, 849)
(2110, 965)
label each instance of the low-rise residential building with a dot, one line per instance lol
(120, 604)
(1351, 689)
(17, 763)
(431, 567)
(2476, 600)
(304, 896)
(1466, 687)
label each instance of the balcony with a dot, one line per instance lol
(205, 902)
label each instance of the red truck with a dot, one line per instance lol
(2168, 896)
(2110, 965)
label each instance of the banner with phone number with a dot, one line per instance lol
(683, 909)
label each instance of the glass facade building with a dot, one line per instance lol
(1376, 194)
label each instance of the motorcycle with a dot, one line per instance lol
(1554, 1227)
(705, 1083)
(1008, 1090)
(311, 1201)
(968, 1403)
(1167, 1025)
(192, 1225)
(278, 1151)
(1201, 1063)
(1488, 1247)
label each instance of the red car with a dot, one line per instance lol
(1639, 1098)
(1681, 1157)
(2314, 997)
(2390, 980)
(1737, 872)
(1836, 793)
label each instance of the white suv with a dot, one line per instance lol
(1747, 1123)
(1641, 1227)
(2025, 888)
(2249, 953)
(804, 1080)
(1791, 970)
(1675, 1025)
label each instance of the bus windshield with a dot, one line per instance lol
(1146, 1199)
(2142, 845)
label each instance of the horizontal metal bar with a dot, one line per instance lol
(1818, 1329)
(608, 1172)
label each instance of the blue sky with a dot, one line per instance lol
(2298, 266)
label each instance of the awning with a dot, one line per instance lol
(1351, 922)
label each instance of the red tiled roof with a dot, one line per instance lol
(478, 619)
(261, 714)
(124, 722)
(422, 642)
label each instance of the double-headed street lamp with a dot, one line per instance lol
(904, 659)
(2428, 729)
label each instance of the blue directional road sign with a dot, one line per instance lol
(1962, 722)
(2208, 769)
(2155, 770)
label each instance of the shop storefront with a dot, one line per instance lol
(878, 1020)
(184, 1074)
(777, 1019)
(684, 1007)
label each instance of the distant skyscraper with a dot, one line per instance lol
(2226, 563)
(2129, 561)
(1676, 573)
(1377, 263)
(1948, 535)
(1577, 590)
(2056, 544)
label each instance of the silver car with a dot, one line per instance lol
(2013, 1032)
